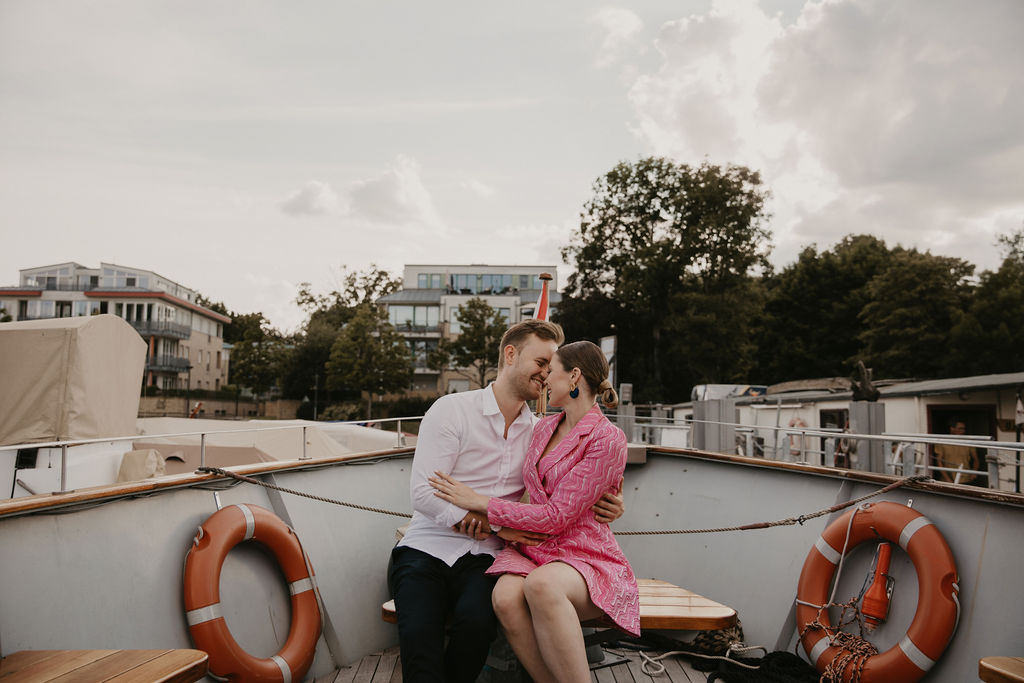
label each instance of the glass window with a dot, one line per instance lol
(456, 326)
(81, 308)
(400, 316)
(422, 280)
(435, 281)
(506, 314)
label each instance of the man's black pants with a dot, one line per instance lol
(429, 595)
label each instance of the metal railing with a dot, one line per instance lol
(167, 364)
(401, 440)
(153, 328)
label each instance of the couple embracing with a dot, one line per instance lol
(474, 555)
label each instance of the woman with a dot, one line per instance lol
(579, 572)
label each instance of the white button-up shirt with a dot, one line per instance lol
(463, 435)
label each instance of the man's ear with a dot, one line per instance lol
(508, 353)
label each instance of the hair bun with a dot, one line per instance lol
(605, 385)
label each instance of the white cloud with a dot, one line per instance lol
(901, 120)
(620, 31)
(312, 199)
(396, 197)
(480, 189)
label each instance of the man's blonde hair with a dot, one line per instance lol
(518, 334)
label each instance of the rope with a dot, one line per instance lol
(782, 522)
(250, 480)
(746, 527)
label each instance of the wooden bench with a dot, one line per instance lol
(112, 666)
(662, 606)
(1001, 669)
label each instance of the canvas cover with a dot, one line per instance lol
(69, 378)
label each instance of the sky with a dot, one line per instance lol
(242, 148)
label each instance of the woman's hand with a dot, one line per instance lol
(457, 493)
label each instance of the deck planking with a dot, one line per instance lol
(386, 667)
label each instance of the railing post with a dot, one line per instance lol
(202, 449)
(63, 468)
(910, 460)
(304, 456)
(992, 458)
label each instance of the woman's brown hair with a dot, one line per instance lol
(592, 364)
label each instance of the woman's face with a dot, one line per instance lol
(559, 382)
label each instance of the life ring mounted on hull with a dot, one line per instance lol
(938, 607)
(221, 532)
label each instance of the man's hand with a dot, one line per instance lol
(610, 507)
(521, 537)
(475, 526)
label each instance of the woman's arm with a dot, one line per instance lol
(581, 487)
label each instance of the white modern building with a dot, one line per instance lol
(186, 339)
(426, 308)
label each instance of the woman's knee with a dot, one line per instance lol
(507, 598)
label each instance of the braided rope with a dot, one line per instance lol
(757, 525)
(250, 480)
(789, 521)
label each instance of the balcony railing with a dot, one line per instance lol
(167, 364)
(152, 328)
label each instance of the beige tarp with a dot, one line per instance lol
(69, 378)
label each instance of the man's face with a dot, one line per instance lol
(531, 367)
(958, 428)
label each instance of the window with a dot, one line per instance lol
(506, 314)
(414, 316)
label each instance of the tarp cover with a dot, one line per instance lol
(69, 378)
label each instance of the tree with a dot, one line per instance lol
(811, 325)
(369, 355)
(656, 239)
(989, 337)
(339, 306)
(256, 358)
(914, 303)
(303, 372)
(5, 317)
(474, 353)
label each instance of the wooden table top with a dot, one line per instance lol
(120, 666)
(1001, 669)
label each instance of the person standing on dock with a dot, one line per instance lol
(437, 574)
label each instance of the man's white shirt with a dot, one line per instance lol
(463, 435)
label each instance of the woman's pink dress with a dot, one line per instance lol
(563, 486)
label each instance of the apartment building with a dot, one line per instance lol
(186, 340)
(426, 308)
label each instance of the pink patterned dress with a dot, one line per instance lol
(563, 485)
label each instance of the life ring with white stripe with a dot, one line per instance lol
(225, 529)
(938, 607)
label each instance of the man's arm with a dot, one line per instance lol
(437, 450)
(611, 506)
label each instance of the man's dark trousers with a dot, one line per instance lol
(430, 596)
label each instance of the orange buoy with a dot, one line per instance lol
(938, 607)
(220, 533)
(875, 605)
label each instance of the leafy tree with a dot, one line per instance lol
(656, 239)
(256, 358)
(369, 355)
(914, 303)
(989, 337)
(305, 366)
(339, 306)
(5, 317)
(811, 325)
(474, 353)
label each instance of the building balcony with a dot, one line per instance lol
(152, 328)
(167, 364)
(409, 329)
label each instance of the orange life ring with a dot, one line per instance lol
(938, 608)
(220, 533)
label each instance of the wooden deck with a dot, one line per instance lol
(385, 667)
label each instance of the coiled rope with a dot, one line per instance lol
(789, 521)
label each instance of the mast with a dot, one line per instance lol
(541, 313)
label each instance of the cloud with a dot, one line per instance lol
(315, 198)
(480, 189)
(620, 32)
(901, 120)
(396, 197)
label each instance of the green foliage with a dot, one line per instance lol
(257, 357)
(5, 317)
(658, 243)
(339, 306)
(811, 325)
(474, 353)
(914, 303)
(369, 355)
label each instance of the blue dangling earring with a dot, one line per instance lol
(574, 392)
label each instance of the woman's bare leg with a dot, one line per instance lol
(517, 623)
(557, 598)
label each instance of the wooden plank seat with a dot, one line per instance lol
(120, 666)
(1001, 669)
(662, 606)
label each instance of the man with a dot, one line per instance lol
(437, 571)
(956, 457)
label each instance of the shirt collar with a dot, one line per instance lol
(490, 405)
